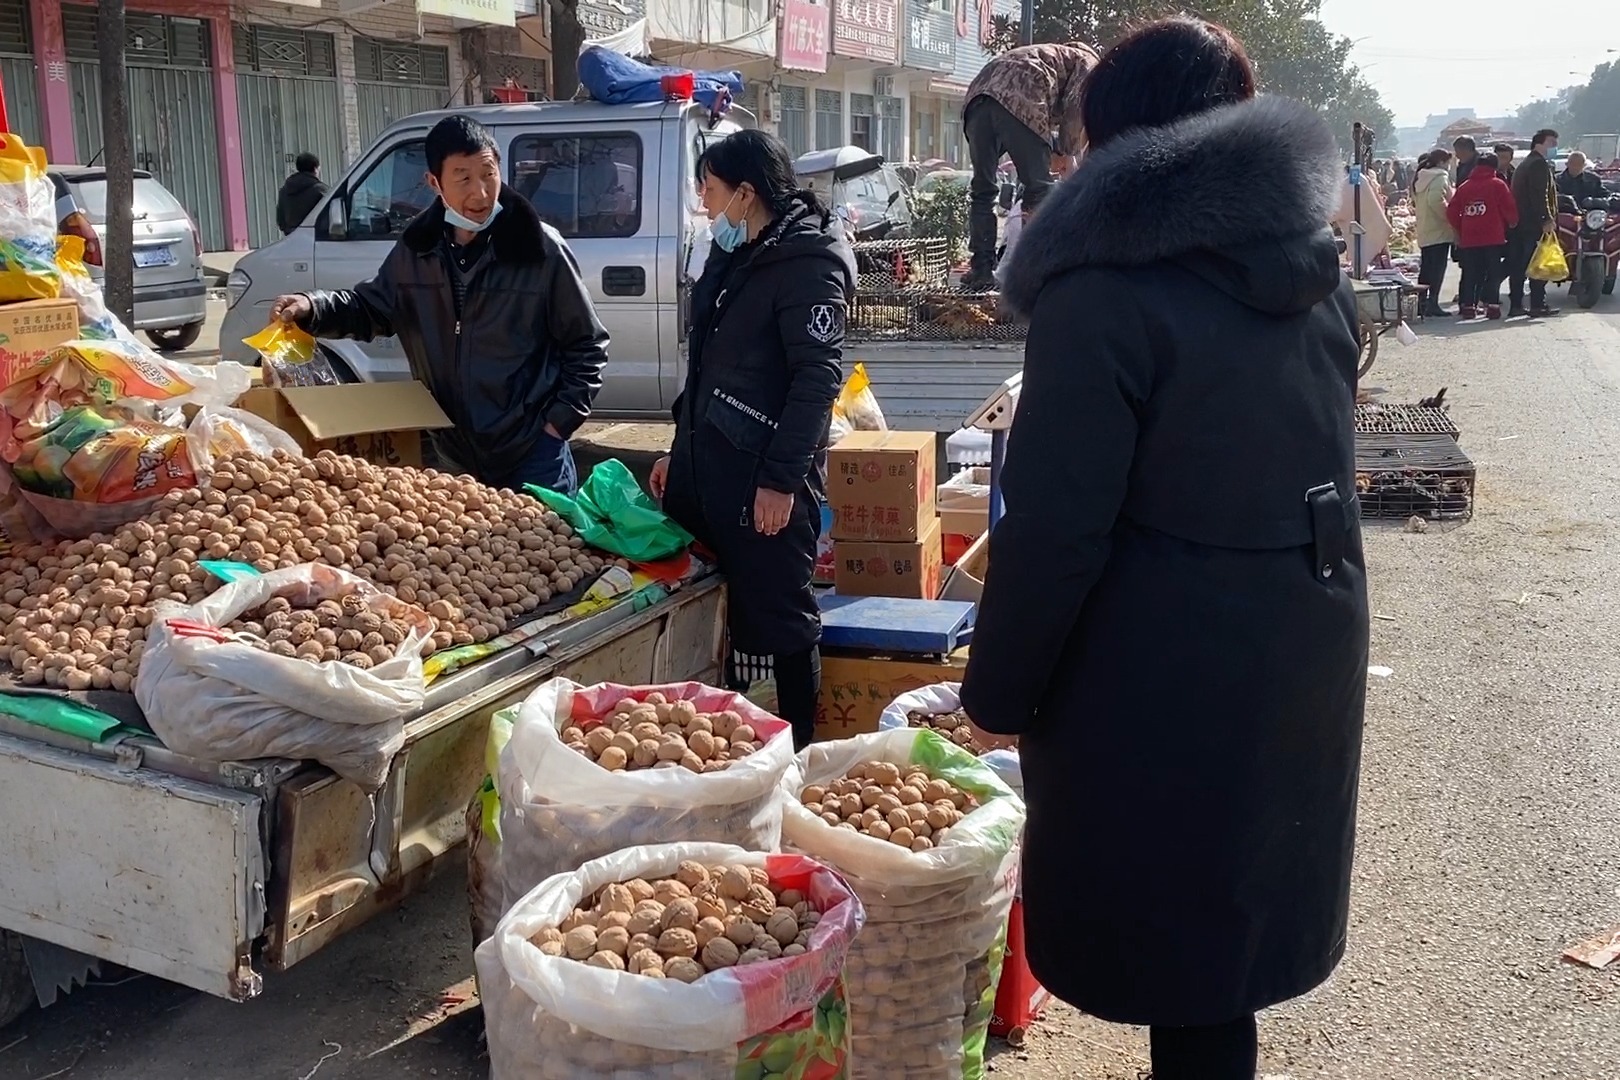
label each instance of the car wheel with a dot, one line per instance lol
(176, 338)
(16, 985)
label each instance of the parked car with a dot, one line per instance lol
(862, 188)
(171, 301)
(617, 181)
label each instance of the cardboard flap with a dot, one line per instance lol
(336, 412)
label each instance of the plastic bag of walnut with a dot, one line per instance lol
(940, 707)
(486, 892)
(230, 697)
(927, 835)
(591, 770)
(595, 1001)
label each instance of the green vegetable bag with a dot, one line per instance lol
(611, 512)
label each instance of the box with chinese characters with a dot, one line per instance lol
(857, 687)
(874, 568)
(880, 485)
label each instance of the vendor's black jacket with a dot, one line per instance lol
(1582, 186)
(300, 194)
(526, 350)
(1175, 614)
(1536, 193)
(765, 341)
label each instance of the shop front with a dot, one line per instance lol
(930, 49)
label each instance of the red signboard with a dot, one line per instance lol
(867, 30)
(804, 36)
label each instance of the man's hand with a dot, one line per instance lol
(293, 308)
(659, 480)
(1547, 228)
(990, 739)
(771, 511)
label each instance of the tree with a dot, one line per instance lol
(118, 153)
(1293, 53)
(566, 38)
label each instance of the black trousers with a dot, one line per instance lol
(991, 132)
(1482, 276)
(1521, 246)
(1432, 270)
(1223, 1052)
(798, 685)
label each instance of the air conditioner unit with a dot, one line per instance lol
(770, 105)
(883, 86)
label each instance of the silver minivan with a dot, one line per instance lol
(617, 181)
(171, 299)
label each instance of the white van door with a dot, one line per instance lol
(597, 186)
(359, 227)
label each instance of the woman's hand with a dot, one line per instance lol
(659, 478)
(771, 511)
(990, 739)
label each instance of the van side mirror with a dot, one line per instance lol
(337, 224)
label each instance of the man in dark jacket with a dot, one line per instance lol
(1466, 154)
(1504, 162)
(1535, 190)
(1013, 106)
(301, 193)
(1579, 182)
(488, 304)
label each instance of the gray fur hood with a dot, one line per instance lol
(1239, 178)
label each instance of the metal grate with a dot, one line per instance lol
(793, 98)
(15, 31)
(1383, 419)
(153, 40)
(401, 62)
(938, 314)
(1404, 476)
(887, 265)
(528, 72)
(276, 50)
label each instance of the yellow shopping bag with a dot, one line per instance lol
(28, 268)
(1548, 263)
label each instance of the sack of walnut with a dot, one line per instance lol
(486, 892)
(941, 704)
(228, 697)
(937, 890)
(556, 1014)
(570, 794)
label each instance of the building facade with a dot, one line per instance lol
(224, 94)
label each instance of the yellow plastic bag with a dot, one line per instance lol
(28, 268)
(856, 407)
(289, 357)
(1548, 262)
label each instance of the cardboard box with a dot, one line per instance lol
(32, 328)
(964, 502)
(880, 485)
(873, 568)
(856, 688)
(380, 422)
(966, 579)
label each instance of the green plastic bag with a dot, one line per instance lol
(60, 714)
(611, 512)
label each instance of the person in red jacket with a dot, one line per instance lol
(1482, 211)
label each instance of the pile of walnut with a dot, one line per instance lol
(75, 614)
(347, 630)
(904, 806)
(703, 919)
(661, 734)
(953, 725)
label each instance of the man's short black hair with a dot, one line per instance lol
(1543, 135)
(1504, 148)
(307, 162)
(1463, 142)
(454, 135)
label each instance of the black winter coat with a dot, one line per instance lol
(526, 350)
(1175, 620)
(300, 193)
(764, 348)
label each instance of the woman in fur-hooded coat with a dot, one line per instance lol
(1175, 619)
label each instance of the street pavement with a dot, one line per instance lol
(1490, 810)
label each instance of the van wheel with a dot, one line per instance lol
(16, 985)
(176, 338)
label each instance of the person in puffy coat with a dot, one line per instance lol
(1177, 638)
(1483, 213)
(747, 474)
(1431, 191)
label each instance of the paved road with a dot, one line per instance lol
(1490, 820)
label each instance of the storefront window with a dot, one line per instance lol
(829, 119)
(862, 110)
(951, 151)
(795, 121)
(891, 137)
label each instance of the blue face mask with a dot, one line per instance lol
(462, 221)
(730, 235)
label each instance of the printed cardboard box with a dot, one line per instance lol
(872, 568)
(857, 687)
(880, 485)
(32, 328)
(380, 422)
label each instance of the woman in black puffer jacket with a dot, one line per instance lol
(1175, 620)
(747, 474)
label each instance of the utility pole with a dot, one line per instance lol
(118, 256)
(1026, 29)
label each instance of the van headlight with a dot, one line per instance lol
(1595, 219)
(236, 286)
